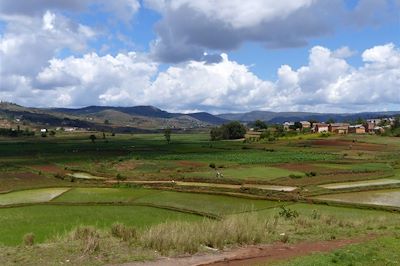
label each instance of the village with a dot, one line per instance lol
(370, 126)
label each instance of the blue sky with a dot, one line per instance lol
(205, 55)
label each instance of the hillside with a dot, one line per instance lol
(126, 119)
(280, 117)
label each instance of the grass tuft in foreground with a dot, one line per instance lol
(120, 243)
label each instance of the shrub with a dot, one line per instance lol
(29, 239)
(120, 177)
(324, 135)
(232, 130)
(295, 176)
(288, 214)
(212, 165)
(311, 174)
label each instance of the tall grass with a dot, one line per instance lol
(184, 237)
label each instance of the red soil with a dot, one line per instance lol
(255, 255)
(191, 164)
(49, 168)
(349, 145)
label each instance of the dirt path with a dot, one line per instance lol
(254, 255)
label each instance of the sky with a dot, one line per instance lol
(217, 56)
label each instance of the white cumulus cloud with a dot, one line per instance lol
(326, 83)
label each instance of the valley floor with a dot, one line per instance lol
(132, 198)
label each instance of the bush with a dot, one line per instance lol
(120, 177)
(295, 176)
(29, 239)
(311, 174)
(324, 135)
(232, 130)
(212, 165)
(288, 214)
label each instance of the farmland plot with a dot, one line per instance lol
(389, 197)
(31, 196)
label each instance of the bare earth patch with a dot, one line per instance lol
(191, 164)
(49, 168)
(349, 145)
(254, 255)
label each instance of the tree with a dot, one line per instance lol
(235, 130)
(167, 135)
(232, 130)
(298, 125)
(216, 133)
(92, 138)
(360, 121)
(107, 122)
(313, 121)
(330, 121)
(258, 124)
(396, 123)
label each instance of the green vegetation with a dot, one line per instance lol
(103, 195)
(256, 172)
(207, 203)
(232, 130)
(389, 197)
(84, 200)
(47, 221)
(381, 251)
(31, 196)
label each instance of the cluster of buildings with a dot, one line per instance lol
(371, 126)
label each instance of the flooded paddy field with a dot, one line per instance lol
(31, 196)
(387, 197)
(365, 183)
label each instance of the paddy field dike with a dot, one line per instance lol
(131, 198)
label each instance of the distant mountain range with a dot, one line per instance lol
(120, 119)
(150, 118)
(280, 117)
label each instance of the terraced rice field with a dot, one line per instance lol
(245, 173)
(95, 195)
(205, 203)
(388, 197)
(31, 196)
(47, 221)
(365, 183)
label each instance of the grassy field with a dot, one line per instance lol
(116, 195)
(49, 221)
(215, 204)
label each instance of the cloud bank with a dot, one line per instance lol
(327, 82)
